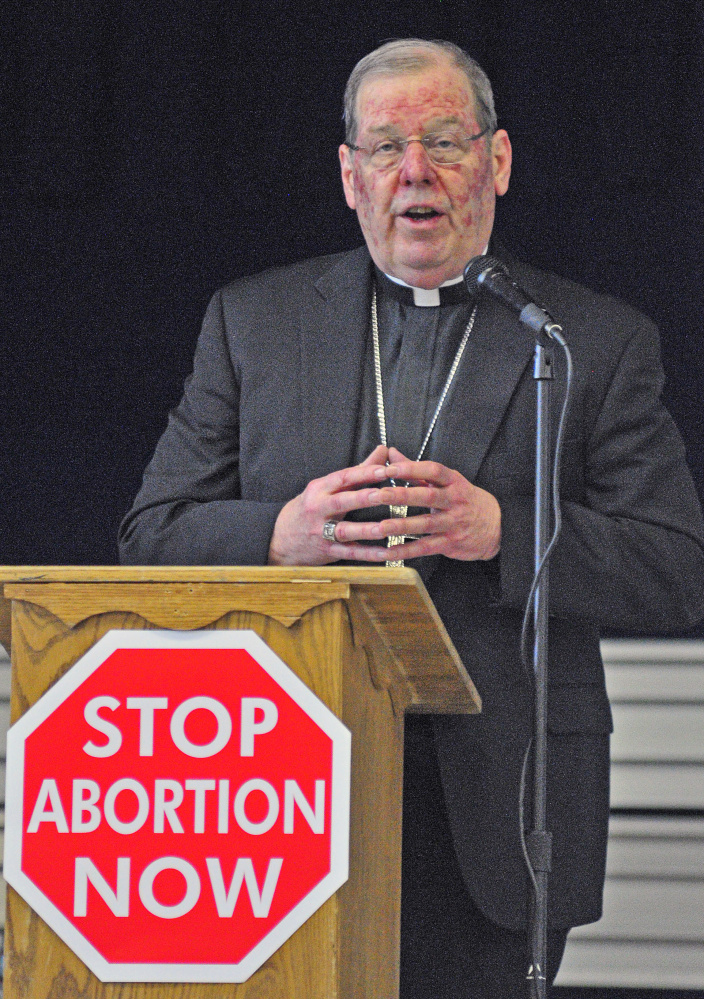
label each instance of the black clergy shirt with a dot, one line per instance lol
(417, 346)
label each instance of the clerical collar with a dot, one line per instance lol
(452, 292)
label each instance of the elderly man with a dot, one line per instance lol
(330, 396)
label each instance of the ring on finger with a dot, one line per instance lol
(329, 530)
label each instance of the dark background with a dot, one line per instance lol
(152, 152)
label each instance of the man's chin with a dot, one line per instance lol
(423, 273)
(424, 265)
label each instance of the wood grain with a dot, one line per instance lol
(178, 605)
(237, 575)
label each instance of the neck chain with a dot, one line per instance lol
(402, 511)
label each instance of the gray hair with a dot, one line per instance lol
(410, 55)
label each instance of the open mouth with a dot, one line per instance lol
(421, 214)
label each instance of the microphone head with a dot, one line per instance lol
(478, 268)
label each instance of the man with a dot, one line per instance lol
(315, 385)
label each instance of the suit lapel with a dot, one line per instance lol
(495, 357)
(333, 341)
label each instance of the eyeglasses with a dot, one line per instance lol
(441, 147)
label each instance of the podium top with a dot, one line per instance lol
(357, 575)
(394, 600)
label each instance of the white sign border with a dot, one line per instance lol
(282, 674)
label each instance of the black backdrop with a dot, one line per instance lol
(152, 152)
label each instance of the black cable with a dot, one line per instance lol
(557, 512)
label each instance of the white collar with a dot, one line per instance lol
(428, 296)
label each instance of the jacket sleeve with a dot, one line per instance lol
(189, 510)
(631, 552)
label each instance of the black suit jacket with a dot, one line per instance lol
(273, 403)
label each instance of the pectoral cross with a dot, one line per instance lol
(396, 539)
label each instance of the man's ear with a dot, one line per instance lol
(347, 175)
(501, 156)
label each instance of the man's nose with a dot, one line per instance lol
(416, 165)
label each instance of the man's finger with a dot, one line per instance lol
(430, 544)
(356, 475)
(421, 525)
(379, 456)
(334, 506)
(348, 531)
(358, 553)
(422, 496)
(429, 471)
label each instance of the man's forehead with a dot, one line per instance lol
(435, 124)
(440, 93)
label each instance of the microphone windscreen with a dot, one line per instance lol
(477, 266)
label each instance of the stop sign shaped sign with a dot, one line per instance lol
(177, 805)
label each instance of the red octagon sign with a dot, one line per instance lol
(177, 806)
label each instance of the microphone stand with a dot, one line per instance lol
(539, 840)
(490, 274)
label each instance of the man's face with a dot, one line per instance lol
(427, 250)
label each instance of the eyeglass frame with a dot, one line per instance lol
(423, 139)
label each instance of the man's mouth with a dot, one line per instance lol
(421, 214)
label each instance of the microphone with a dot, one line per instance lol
(489, 273)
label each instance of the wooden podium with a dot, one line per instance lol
(367, 641)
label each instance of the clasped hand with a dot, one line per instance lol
(462, 521)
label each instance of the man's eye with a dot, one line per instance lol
(388, 146)
(444, 142)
